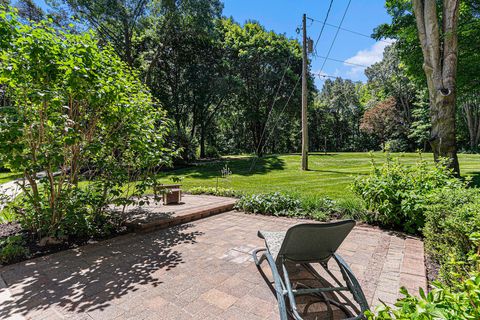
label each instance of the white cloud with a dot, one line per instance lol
(366, 57)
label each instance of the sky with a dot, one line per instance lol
(285, 16)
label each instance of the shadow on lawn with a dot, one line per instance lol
(90, 277)
(475, 179)
(316, 154)
(343, 173)
(238, 166)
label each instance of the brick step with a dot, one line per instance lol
(179, 217)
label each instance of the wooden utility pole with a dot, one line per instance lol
(304, 98)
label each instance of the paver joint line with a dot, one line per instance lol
(189, 271)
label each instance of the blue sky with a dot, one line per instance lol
(285, 16)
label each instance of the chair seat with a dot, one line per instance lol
(273, 241)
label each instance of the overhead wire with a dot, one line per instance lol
(336, 35)
(323, 25)
(289, 97)
(348, 30)
(273, 103)
(345, 61)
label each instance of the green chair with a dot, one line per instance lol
(301, 291)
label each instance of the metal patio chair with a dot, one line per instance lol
(297, 257)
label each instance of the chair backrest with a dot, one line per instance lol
(310, 242)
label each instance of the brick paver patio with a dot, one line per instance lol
(200, 270)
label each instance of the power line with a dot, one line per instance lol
(275, 123)
(336, 35)
(347, 30)
(344, 61)
(273, 103)
(323, 26)
(324, 75)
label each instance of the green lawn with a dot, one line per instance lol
(9, 176)
(329, 175)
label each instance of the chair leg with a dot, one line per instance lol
(258, 261)
(277, 280)
(353, 284)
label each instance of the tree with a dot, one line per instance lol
(419, 129)
(383, 120)
(76, 112)
(440, 48)
(403, 28)
(184, 64)
(470, 106)
(337, 109)
(267, 67)
(116, 22)
(388, 78)
(30, 11)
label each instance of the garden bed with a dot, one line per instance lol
(35, 250)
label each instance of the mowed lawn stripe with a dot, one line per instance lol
(331, 175)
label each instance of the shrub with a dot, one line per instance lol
(451, 216)
(74, 107)
(12, 249)
(212, 152)
(395, 193)
(222, 192)
(317, 208)
(270, 203)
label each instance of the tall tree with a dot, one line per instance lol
(439, 46)
(339, 106)
(184, 64)
(383, 120)
(29, 10)
(117, 22)
(267, 66)
(388, 78)
(470, 107)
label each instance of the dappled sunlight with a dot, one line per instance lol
(94, 276)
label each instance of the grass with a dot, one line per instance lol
(329, 175)
(9, 176)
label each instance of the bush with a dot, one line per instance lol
(452, 215)
(396, 193)
(222, 192)
(12, 249)
(292, 205)
(74, 107)
(212, 152)
(271, 203)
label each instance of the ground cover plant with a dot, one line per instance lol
(74, 111)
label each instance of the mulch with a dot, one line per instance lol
(31, 243)
(9, 229)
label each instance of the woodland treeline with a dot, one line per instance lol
(231, 87)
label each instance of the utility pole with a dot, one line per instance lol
(304, 98)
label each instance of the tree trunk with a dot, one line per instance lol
(202, 141)
(128, 43)
(471, 113)
(440, 66)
